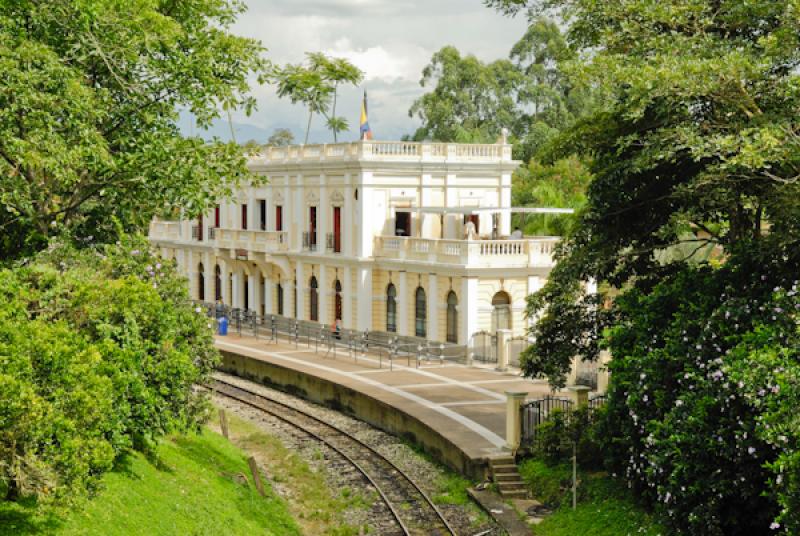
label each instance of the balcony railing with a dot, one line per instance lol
(165, 230)
(333, 243)
(197, 232)
(387, 151)
(212, 232)
(261, 241)
(310, 241)
(529, 252)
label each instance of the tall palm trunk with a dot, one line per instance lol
(335, 128)
(308, 126)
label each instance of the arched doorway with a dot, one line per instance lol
(201, 282)
(313, 300)
(501, 311)
(280, 299)
(391, 308)
(217, 283)
(420, 313)
(337, 304)
(452, 317)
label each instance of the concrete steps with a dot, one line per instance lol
(507, 478)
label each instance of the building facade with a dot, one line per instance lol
(403, 237)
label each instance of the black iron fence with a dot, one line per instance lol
(534, 413)
(334, 341)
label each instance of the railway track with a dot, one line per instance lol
(411, 508)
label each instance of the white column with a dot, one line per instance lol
(302, 284)
(505, 201)
(324, 293)
(237, 289)
(223, 276)
(433, 308)
(366, 225)
(347, 224)
(288, 298)
(298, 215)
(468, 308)
(253, 293)
(364, 299)
(252, 207)
(323, 209)
(208, 276)
(347, 298)
(402, 303)
(267, 292)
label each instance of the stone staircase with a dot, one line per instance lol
(506, 476)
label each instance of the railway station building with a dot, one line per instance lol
(399, 237)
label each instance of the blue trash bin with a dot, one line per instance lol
(222, 324)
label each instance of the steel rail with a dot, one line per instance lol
(338, 450)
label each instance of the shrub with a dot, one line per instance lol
(99, 352)
(702, 404)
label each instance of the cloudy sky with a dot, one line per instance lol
(390, 40)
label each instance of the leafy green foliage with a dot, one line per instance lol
(99, 351)
(561, 184)
(703, 400)
(315, 84)
(90, 96)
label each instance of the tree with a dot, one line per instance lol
(89, 104)
(315, 85)
(281, 137)
(100, 352)
(694, 144)
(470, 102)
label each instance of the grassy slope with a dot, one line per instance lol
(194, 488)
(604, 509)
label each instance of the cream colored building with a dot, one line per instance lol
(374, 235)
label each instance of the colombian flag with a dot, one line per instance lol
(364, 130)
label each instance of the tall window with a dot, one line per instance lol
(501, 311)
(278, 218)
(201, 282)
(216, 217)
(337, 307)
(420, 313)
(280, 299)
(313, 300)
(199, 227)
(312, 227)
(246, 291)
(217, 283)
(244, 217)
(262, 214)
(337, 229)
(452, 317)
(391, 308)
(402, 223)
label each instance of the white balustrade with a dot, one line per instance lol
(488, 253)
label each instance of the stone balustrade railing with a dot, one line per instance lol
(500, 253)
(264, 241)
(385, 150)
(167, 230)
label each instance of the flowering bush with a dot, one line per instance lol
(99, 352)
(704, 395)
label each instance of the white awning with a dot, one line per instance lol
(491, 210)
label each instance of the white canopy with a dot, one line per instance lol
(492, 210)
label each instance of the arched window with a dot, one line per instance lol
(452, 317)
(246, 286)
(501, 311)
(391, 308)
(280, 299)
(420, 313)
(217, 283)
(313, 300)
(337, 306)
(201, 282)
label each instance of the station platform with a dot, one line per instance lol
(454, 412)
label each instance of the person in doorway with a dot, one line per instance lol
(517, 234)
(469, 230)
(337, 328)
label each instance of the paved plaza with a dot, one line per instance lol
(465, 404)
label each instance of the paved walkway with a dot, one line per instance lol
(464, 404)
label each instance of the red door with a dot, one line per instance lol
(312, 226)
(278, 218)
(244, 217)
(337, 229)
(216, 216)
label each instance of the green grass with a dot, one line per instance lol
(605, 508)
(198, 484)
(316, 509)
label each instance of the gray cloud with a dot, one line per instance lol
(391, 40)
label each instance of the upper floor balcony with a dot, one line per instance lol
(387, 151)
(512, 253)
(260, 241)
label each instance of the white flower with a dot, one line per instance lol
(775, 525)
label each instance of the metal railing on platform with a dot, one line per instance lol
(335, 341)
